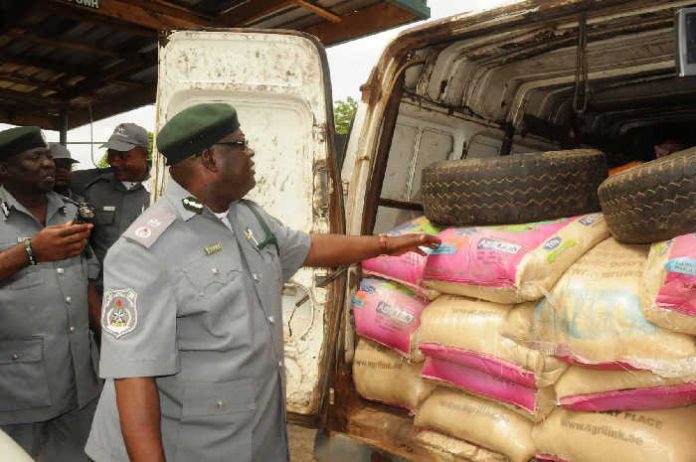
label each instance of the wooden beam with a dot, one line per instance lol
(67, 44)
(42, 64)
(93, 77)
(96, 80)
(15, 116)
(319, 11)
(139, 13)
(252, 10)
(128, 83)
(16, 13)
(26, 98)
(58, 8)
(73, 45)
(170, 9)
(29, 82)
(104, 109)
(363, 22)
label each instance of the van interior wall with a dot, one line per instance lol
(458, 96)
(425, 133)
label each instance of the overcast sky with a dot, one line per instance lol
(349, 65)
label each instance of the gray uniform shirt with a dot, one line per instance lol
(115, 208)
(198, 306)
(46, 347)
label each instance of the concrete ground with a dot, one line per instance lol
(301, 444)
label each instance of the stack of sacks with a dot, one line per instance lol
(502, 387)
(478, 421)
(406, 269)
(626, 397)
(670, 284)
(382, 375)
(464, 348)
(388, 312)
(593, 317)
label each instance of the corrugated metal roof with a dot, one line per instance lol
(92, 59)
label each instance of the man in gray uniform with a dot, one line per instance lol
(48, 384)
(118, 197)
(64, 164)
(193, 343)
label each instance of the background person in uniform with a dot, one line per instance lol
(48, 385)
(193, 342)
(119, 196)
(64, 165)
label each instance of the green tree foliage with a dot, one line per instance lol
(344, 111)
(104, 163)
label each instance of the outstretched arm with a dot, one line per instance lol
(331, 250)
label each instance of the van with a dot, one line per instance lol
(530, 76)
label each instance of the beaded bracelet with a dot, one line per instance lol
(384, 250)
(30, 252)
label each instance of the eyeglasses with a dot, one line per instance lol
(243, 143)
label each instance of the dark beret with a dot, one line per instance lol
(195, 129)
(19, 139)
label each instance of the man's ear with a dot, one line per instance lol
(3, 169)
(209, 160)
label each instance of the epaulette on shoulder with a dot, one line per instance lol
(149, 226)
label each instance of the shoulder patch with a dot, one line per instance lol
(149, 226)
(120, 313)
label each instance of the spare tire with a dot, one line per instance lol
(514, 189)
(652, 202)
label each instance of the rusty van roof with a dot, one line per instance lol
(517, 66)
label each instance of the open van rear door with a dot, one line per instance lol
(279, 83)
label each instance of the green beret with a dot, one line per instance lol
(19, 139)
(195, 129)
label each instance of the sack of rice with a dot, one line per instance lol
(582, 389)
(670, 284)
(450, 449)
(406, 269)
(468, 332)
(665, 435)
(389, 314)
(594, 317)
(381, 375)
(510, 264)
(477, 421)
(532, 403)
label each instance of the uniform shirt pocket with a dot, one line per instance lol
(217, 422)
(25, 278)
(209, 278)
(23, 379)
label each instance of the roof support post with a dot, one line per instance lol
(64, 121)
